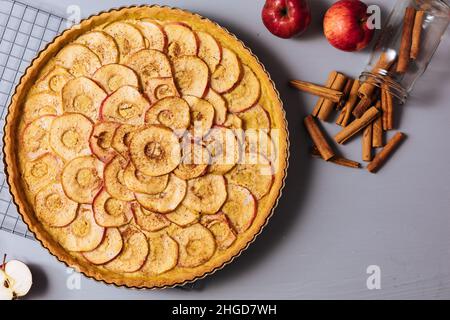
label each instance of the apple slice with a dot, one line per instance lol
(223, 146)
(81, 179)
(183, 216)
(206, 194)
(232, 121)
(101, 140)
(155, 150)
(134, 253)
(113, 76)
(160, 88)
(255, 173)
(191, 75)
(18, 277)
(172, 112)
(166, 201)
(41, 104)
(196, 245)
(202, 116)
(78, 59)
(219, 104)
(255, 118)
(258, 141)
(128, 38)
(154, 35)
(220, 227)
(227, 73)
(150, 64)
(42, 171)
(82, 95)
(182, 41)
(209, 50)
(53, 207)
(194, 162)
(53, 81)
(245, 94)
(148, 220)
(163, 254)
(240, 207)
(111, 212)
(114, 179)
(69, 135)
(102, 44)
(35, 137)
(138, 182)
(125, 105)
(109, 248)
(122, 138)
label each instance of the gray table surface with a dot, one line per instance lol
(332, 222)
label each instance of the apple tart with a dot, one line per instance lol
(146, 147)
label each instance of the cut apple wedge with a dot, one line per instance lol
(227, 73)
(128, 38)
(54, 80)
(245, 94)
(182, 41)
(240, 207)
(148, 220)
(154, 35)
(41, 104)
(134, 252)
(102, 44)
(191, 75)
(69, 135)
(232, 121)
(224, 148)
(255, 118)
(166, 201)
(202, 116)
(125, 105)
(78, 59)
(35, 137)
(219, 104)
(101, 140)
(42, 171)
(155, 150)
(183, 216)
(109, 248)
(163, 254)
(160, 88)
(16, 277)
(82, 95)
(220, 227)
(114, 179)
(194, 161)
(172, 112)
(206, 194)
(113, 76)
(81, 179)
(196, 245)
(150, 64)
(111, 212)
(209, 50)
(122, 138)
(138, 182)
(53, 207)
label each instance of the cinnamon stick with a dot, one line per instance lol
(344, 116)
(377, 129)
(405, 44)
(417, 34)
(387, 105)
(362, 106)
(346, 92)
(367, 143)
(384, 63)
(357, 125)
(318, 138)
(338, 159)
(321, 91)
(384, 154)
(324, 107)
(328, 84)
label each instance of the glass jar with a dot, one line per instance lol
(427, 31)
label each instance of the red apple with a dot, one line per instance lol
(286, 18)
(345, 25)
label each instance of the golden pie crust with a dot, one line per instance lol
(188, 229)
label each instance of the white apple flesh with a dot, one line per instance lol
(5, 290)
(19, 276)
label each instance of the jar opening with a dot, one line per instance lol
(386, 81)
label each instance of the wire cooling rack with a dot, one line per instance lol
(24, 31)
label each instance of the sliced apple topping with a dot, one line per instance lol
(191, 75)
(220, 227)
(114, 179)
(110, 211)
(42, 171)
(196, 245)
(155, 150)
(227, 73)
(101, 140)
(240, 207)
(134, 252)
(83, 234)
(102, 44)
(219, 104)
(232, 121)
(128, 38)
(254, 173)
(138, 182)
(35, 137)
(172, 112)
(202, 116)
(258, 141)
(122, 138)
(82, 95)
(109, 248)
(148, 220)
(183, 216)
(245, 94)
(69, 135)
(125, 105)
(54, 80)
(150, 64)
(113, 76)
(166, 201)
(194, 162)
(42, 104)
(53, 207)
(182, 41)
(160, 88)
(224, 148)
(206, 194)
(78, 59)
(154, 35)
(255, 118)
(163, 254)
(81, 179)
(209, 50)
